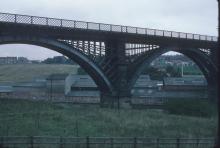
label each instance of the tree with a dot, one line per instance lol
(173, 72)
(155, 73)
(58, 60)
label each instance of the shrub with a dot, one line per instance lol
(191, 107)
(81, 71)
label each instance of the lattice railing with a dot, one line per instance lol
(35, 20)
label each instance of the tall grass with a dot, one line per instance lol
(191, 107)
(27, 118)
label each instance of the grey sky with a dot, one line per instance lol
(194, 16)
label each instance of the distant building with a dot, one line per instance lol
(57, 60)
(55, 83)
(191, 87)
(23, 60)
(8, 60)
(185, 83)
(14, 60)
(81, 85)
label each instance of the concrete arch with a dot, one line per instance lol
(208, 68)
(88, 65)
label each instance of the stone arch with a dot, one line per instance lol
(88, 65)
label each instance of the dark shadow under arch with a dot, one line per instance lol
(202, 60)
(88, 65)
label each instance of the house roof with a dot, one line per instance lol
(85, 94)
(145, 81)
(83, 81)
(57, 76)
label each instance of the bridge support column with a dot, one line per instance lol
(117, 72)
(120, 80)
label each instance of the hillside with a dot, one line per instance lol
(27, 72)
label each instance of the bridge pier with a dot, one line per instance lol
(116, 72)
(119, 66)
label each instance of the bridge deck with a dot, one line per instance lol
(91, 26)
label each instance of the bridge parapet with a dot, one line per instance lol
(73, 24)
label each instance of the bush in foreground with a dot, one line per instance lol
(191, 107)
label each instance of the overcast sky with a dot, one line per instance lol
(193, 16)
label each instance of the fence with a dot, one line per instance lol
(94, 142)
(54, 22)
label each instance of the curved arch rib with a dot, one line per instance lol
(90, 67)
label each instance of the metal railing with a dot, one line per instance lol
(54, 22)
(110, 142)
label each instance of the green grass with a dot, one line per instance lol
(26, 118)
(28, 72)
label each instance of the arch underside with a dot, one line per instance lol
(203, 61)
(85, 62)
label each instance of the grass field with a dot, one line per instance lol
(26, 118)
(27, 72)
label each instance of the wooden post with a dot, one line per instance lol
(197, 142)
(51, 87)
(87, 142)
(177, 143)
(158, 143)
(111, 143)
(7, 130)
(32, 141)
(38, 120)
(135, 142)
(77, 129)
(61, 142)
(118, 101)
(218, 85)
(2, 142)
